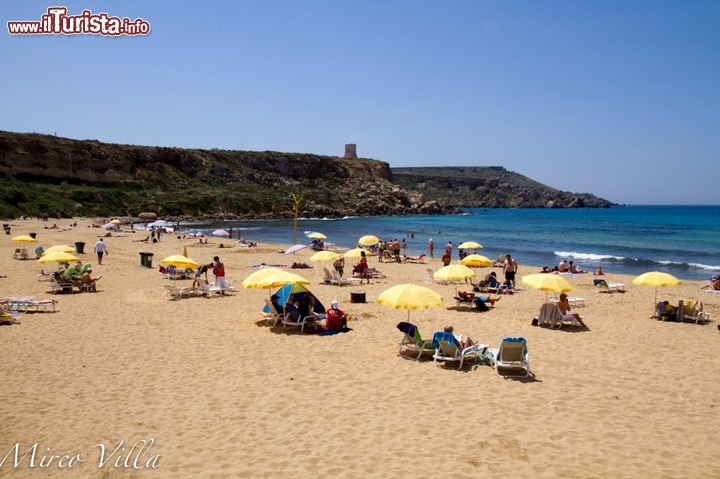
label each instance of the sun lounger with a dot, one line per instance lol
(692, 311)
(447, 348)
(415, 259)
(412, 342)
(173, 293)
(574, 301)
(27, 303)
(512, 355)
(602, 286)
(464, 303)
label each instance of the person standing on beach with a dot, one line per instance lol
(219, 272)
(510, 267)
(100, 249)
(431, 247)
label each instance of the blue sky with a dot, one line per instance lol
(616, 98)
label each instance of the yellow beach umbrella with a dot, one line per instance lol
(470, 245)
(58, 257)
(59, 247)
(24, 239)
(454, 272)
(410, 296)
(476, 260)
(355, 253)
(116, 222)
(547, 282)
(656, 278)
(180, 261)
(368, 240)
(277, 279)
(259, 275)
(324, 256)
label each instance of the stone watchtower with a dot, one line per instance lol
(351, 150)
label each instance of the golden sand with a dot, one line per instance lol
(202, 388)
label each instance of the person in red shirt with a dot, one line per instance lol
(335, 318)
(446, 258)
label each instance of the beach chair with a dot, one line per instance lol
(464, 303)
(447, 348)
(272, 316)
(493, 285)
(574, 301)
(330, 278)
(27, 303)
(692, 311)
(512, 355)
(205, 289)
(415, 259)
(412, 342)
(343, 280)
(430, 278)
(174, 293)
(58, 284)
(43, 276)
(290, 319)
(550, 315)
(602, 286)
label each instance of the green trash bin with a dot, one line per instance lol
(32, 235)
(143, 259)
(148, 259)
(80, 247)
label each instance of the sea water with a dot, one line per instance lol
(681, 240)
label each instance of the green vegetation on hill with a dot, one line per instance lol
(488, 187)
(41, 173)
(45, 174)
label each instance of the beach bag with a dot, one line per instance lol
(480, 305)
(484, 358)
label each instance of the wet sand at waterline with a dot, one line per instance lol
(201, 387)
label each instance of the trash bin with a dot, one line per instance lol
(80, 247)
(357, 296)
(148, 259)
(6, 227)
(143, 259)
(32, 235)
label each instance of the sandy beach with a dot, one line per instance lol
(201, 387)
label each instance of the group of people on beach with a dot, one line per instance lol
(304, 308)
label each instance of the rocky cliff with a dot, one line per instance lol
(91, 178)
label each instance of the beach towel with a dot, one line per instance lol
(448, 337)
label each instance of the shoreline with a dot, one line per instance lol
(220, 393)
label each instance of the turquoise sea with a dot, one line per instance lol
(681, 240)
